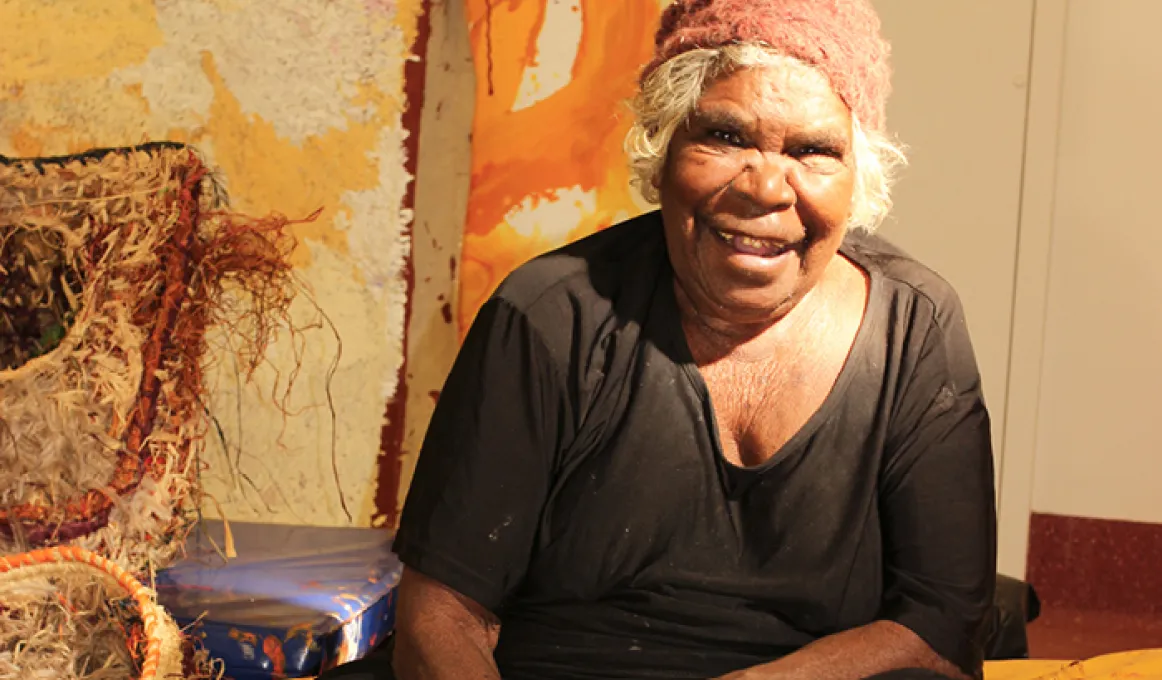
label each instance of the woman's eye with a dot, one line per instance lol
(726, 137)
(824, 151)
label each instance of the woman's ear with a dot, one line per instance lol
(660, 171)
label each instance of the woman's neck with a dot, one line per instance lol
(712, 338)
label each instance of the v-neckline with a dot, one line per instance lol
(739, 476)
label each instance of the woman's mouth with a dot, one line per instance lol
(748, 245)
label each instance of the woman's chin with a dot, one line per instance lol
(751, 307)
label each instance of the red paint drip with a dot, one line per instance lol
(392, 434)
(488, 43)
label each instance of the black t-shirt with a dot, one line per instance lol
(572, 483)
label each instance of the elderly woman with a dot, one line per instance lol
(737, 437)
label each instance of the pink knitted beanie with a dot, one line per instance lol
(839, 37)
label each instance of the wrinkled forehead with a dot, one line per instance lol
(776, 86)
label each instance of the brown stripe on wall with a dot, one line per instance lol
(391, 437)
(1097, 565)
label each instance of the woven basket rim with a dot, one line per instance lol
(67, 558)
(91, 154)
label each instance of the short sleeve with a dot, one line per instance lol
(937, 497)
(483, 473)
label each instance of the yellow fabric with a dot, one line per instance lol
(1138, 664)
(1021, 670)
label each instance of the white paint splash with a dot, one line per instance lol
(378, 250)
(557, 46)
(174, 84)
(552, 219)
(298, 65)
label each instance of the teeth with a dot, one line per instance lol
(745, 240)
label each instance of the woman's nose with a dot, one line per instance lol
(763, 183)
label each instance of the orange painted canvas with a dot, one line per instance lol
(548, 166)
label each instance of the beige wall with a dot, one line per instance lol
(1099, 447)
(1047, 229)
(959, 106)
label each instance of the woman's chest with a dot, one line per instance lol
(654, 506)
(661, 518)
(765, 391)
(759, 407)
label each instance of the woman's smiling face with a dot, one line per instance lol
(756, 192)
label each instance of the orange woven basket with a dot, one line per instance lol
(163, 652)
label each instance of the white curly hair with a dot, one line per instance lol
(671, 92)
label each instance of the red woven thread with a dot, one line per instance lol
(177, 271)
(195, 267)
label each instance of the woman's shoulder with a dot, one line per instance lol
(590, 273)
(923, 309)
(904, 279)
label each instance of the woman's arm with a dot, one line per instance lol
(440, 634)
(470, 521)
(854, 654)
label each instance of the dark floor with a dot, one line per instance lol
(1072, 634)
